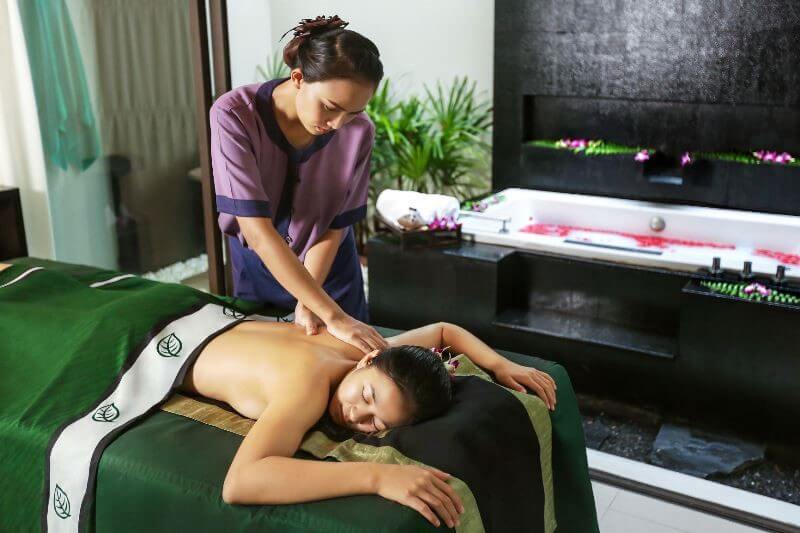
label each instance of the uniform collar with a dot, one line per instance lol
(267, 114)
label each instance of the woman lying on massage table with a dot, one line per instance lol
(286, 380)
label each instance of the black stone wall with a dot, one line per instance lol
(696, 75)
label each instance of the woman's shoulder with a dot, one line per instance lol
(358, 132)
(363, 122)
(240, 97)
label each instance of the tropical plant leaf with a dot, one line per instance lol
(438, 143)
(273, 68)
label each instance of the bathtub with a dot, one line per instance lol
(675, 237)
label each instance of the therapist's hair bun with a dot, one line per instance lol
(323, 49)
(307, 27)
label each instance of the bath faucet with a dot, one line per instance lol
(477, 214)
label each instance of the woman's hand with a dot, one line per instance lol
(520, 377)
(423, 489)
(364, 337)
(303, 316)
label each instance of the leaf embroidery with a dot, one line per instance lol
(233, 313)
(169, 346)
(106, 413)
(61, 503)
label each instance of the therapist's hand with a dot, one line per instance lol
(364, 337)
(303, 316)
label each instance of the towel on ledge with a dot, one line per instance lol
(393, 204)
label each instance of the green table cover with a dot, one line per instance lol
(165, 473)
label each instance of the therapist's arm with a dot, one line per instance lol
(263, 238)
(319, 257)
(318, 261)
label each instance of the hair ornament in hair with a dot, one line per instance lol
(316, 25)
(450, 364)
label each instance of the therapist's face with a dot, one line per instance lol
(330, 104)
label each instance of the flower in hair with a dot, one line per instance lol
(450, 364)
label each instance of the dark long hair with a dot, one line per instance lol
(421, 376)
(323, 49)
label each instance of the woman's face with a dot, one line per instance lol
(367, 400)
(330, 104)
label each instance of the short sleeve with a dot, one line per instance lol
(237, 179)
(355, 205)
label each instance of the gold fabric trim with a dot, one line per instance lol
(208, 413)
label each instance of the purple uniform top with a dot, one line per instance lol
(258, 173)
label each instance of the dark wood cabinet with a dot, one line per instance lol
(12, 230)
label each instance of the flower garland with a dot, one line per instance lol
(750, 291)
(595, 147)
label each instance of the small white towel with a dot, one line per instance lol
(393, 204)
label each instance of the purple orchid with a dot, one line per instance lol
(642, 156)
(757, 287)
(773, 157)
(444, 223)
(573, 144)
(686, 159)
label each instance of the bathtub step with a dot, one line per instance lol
(588, 330)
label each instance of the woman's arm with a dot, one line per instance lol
(281, 261)
(264, 471)
(318, 261)
(460, 340)
(263, 238)
(320, 256)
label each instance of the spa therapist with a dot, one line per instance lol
(291, 165)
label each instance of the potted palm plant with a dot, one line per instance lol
(435, 144)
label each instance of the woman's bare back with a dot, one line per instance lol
(243, 365)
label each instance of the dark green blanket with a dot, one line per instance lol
(126, 481)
